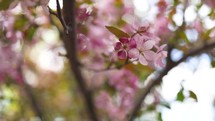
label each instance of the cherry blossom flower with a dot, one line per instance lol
(25, 4)
(126, 84)
(7, 24)
(161, 54)
(143, 51)
(107, 104)
(82, 41)
(123, 46)
(82, 14)
(122, 79)
(161, 27)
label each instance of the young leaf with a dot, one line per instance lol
(4, 4)
(165, 104)
(30, 33)
(193, 95)
(117, 32)
(180, 96)
(184, 36)
(159, 117)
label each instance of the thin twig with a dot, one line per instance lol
(60, 17)
(109, 66)
(52, 12)
(158, 80)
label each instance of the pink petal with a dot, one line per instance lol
(118, 46)
(160, 63)
(150, 55)
(142, 60)
(134, 53)
(132, 44)
(148, 45)
(164, 54)
(163, 46)
(122, 54)
(139, 42)
(123, 40)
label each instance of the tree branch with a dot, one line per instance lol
(70, 46)
(158, 80)
(34, 103)
(59, 15)
(36, 106)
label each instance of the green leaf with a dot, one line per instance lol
(151, 107)
(30, 33)
(159, 117)
(180, 96)
(193, 95)
(206, 34)
(109, 88)
(139, 113)
(184, 36)
(20, 22)
(117, 32)
(165, 104)
(4, 4)
(176, 2)
(213, 63)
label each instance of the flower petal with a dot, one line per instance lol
(142, 60)
(160, 63)
(118, 46)
(123, 40)
(132, 44)
(148, 45)
(122, 54)
(150, 55)
(134, 53)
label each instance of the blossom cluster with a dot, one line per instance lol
(143, 46)
(16, 22)
(126, 84)
(10, 63)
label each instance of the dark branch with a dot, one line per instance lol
(31, 97)
(71, 48)
(158, 80)
(34, 103)
(60, 17)
(52, 12)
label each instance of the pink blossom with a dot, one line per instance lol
(137, 27)
(9, 63)
(162, 6)
(161, 54)
(123, 46)
(103, 100)
(107, 104)
(125, 82)
(210, 3)
(7, 23)
(82, 14)
(198, 25)
(83, 41)
(122, 79)
(160, 27)
(143, 51)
